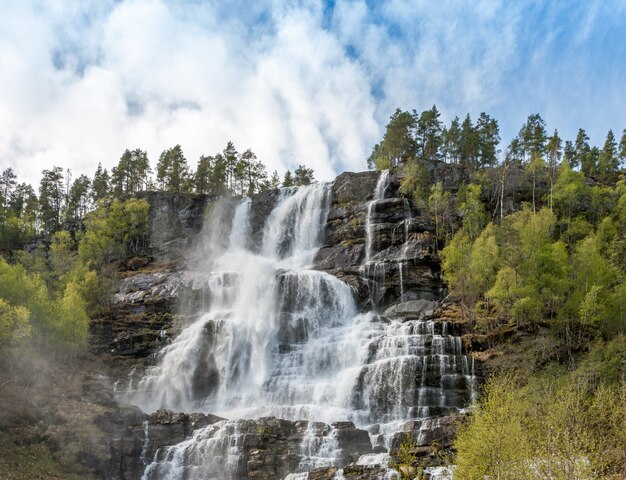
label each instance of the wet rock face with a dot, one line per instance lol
(264, 448)
(173, 219)
(403, 263)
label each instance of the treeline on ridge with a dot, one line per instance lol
(533, 247)
(62, 202)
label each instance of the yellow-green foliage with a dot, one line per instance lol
(14, 323)
(526, 274)
(558, 426)
(27, 306)
(494, 441)
(415, 182)
(113, 232)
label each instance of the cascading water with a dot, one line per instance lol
(280, 339)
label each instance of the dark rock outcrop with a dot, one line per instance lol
(173, 219)
(403, 260)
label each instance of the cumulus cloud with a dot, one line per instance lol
(296, 81)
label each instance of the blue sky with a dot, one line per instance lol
(297, 81)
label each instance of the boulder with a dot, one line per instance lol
(411, 309)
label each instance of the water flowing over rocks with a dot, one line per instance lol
(298, 334)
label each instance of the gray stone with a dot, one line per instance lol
(411, 309)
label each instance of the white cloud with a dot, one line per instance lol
(82, 81)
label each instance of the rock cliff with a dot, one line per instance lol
(385, 250)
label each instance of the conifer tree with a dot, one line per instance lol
(451, 138)
(488, 139)
(288, 179)
(397, 145)
(608, 161)
(581, 150)
(428, 133)
(173, 171)
(469, 145)
(51, 199)
(100, 186)
(622, 147)
(202, 175)
(303, 176)
(274, 181)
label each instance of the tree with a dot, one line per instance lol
(495, 442)
(553, 151)
(622, 147)
(439, 209)
(131, 173)
(202, 175)
(173, 171)
(451, 139)
(14, 324)
(8, 180)
(288, 179)
(397, 145)
(488, 139)
(51, 199)
(428, 134)
(533, 137)
(469, 145)
(230, 156)
(589, 164)
(569, 154)
(101, 184)
(274, 181)
(608, 161)
(581, 149)
(78, 201)
(303, 176)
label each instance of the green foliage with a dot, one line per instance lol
(415, 182)
(494, 442)
(28, 307)
(113, 232)
(407, 459)
(132, 172)
(561, 426)
(440, 210)
(303, 175)
(397, 145)
(172, 171)
(14, 324)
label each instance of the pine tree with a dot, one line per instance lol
(397, 145)
(8, 180)
(51, 199)
(274, 181)
(451, 138)
(569, 154)
(581, 150)
(231, 158)
(173, 171)
(100, 186)
(303, 176)
(533, 137)
(288, 179)
(78, 199)
(622, 147)
(202, 175)
(428, 134)
(608, 161)
(469, 148)
(488, 139)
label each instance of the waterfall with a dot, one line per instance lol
(379, 194)
(276, 338)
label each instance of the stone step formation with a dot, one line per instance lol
(312, 339)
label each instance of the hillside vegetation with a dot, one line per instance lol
(533, 248)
